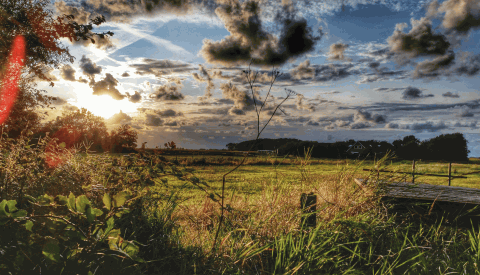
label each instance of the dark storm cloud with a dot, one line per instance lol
(469, 66)
(428, 126)
(472, 124)
(168, 113)
(89, 68)
(153, 120)
(411, 93)
(160, 67)
(387, 90)
(420, 41)
(107, 86)
(450, 94)
(167, 93)
(366, 116)
(68, 73)
(248, 41)
(242, 101)
(136, 97)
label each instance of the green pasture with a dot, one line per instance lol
(263, 172)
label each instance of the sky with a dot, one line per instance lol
(359, 69)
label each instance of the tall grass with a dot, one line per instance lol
(355, 232)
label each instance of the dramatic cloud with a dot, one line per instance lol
(208, 79)
(391, 125)
(435, 67)
(153, 120)
(68, 73)
(89, 68)
(47, 72)
(472, 124)
(160, 67)
(242, 101)
(419, 41)
(119, 118)
(301, 105)
(411, 93)
(125, 74)
(168, 113)
(249, 42)
(135, 98)
(460, 15)
(107, 86)
(337, 51)
(450, 94)
(427, 126)
(465, 112)
(81, 16)
(365, 116)
(167, 93)
(303, 70)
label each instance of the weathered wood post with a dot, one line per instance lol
(308, 204)
(449, 173)
(413, 171)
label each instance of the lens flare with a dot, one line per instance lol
(9, 90)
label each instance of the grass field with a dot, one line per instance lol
(173, 213)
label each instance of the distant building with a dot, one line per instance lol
(357, 148)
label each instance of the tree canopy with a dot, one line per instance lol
(44, 50)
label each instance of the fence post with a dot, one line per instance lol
(308, 204)
(449, 173)
(413, 172)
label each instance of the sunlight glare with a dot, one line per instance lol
(104, 105)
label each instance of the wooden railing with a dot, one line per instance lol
(450, 177)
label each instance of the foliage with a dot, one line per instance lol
(44, 50)
(122, 139)
(170, 145)
(84, 127)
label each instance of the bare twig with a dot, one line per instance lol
(275, 74)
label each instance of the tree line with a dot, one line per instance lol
(448, 147)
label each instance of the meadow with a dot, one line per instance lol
(155, 214)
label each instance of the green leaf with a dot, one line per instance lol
(90, 214)
(110, 223)
(62, 145)
(29, 225)
(51, 250)
(107, 201)
(71, 202)
(120, 199)
(81, 203)
(3, 213)
(11, 205)
(30, 198)
(62, 200)
(97, 212)
(45, 199)
(19, 214)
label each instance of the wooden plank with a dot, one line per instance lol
(431, 192)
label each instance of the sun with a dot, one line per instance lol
(104, 105)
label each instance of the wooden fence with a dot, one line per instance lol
(450, 177)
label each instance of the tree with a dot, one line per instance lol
(88, 128)
(448, 147)
(122, 139)
(42, 33)
(170, 145)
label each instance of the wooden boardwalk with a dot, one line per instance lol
(429, 192)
